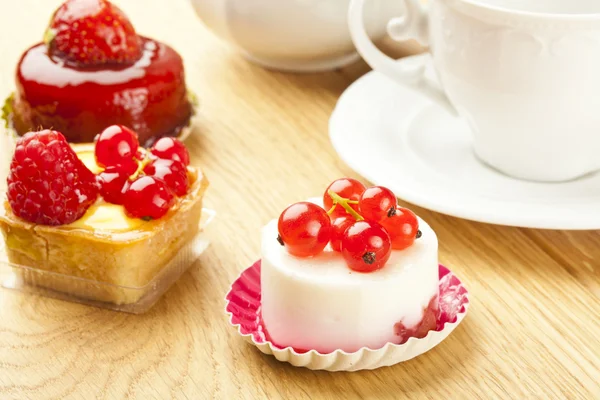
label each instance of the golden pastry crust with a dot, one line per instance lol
(130, 258)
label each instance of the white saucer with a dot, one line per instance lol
(394, 137)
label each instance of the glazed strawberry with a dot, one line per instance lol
(92, 33)
(47, 183)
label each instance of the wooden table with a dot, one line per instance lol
(533, 328)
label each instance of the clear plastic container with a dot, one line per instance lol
(134, 300)
(124, 271)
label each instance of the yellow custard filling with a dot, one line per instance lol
(102, 216)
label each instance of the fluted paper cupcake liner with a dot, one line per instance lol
(243, 304)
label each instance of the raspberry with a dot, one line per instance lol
(92, 33)
(47, 183)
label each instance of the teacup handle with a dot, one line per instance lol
(413, 25)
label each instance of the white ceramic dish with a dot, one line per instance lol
(522, 73)
(243, 303)
(395, 137)
(293, 35)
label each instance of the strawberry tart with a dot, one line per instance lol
(112, 212)
(351, 271)
(93, 70)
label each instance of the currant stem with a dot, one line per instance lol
(141, 165)
(337, 199)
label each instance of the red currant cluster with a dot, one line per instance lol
(145, 183)
(364, 224)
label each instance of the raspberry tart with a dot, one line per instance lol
(111, 213)
(360, 272)
(93, 70)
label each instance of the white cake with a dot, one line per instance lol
(319, 303)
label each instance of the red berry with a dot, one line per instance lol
(92, 33)
(47, 183)
(172, 172)
(304, 229)
(402, 226)
(170, 148)
(148, 198)
(339, 227)
(366, 246)
(113, 182)
(117, 145)
(376, 202)
(127, 167)
(347, 188)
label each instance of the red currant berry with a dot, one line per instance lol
(376, 202)
(304, 229)
(366, 246)
(172, 172)
(170, 148)
(113, 183)
(402, 226)
(128, 167)
(116, 145)
(347, 188)
(148, 198)
(339, 227)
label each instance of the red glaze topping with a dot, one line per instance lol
(149, 96)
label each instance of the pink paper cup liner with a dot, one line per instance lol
(243, 302)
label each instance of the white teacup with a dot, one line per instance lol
(293, 35)
(524, 74)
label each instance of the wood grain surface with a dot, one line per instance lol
(532, 332)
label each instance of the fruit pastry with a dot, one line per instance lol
(112, 212)
(93, 70)
(355, 270)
